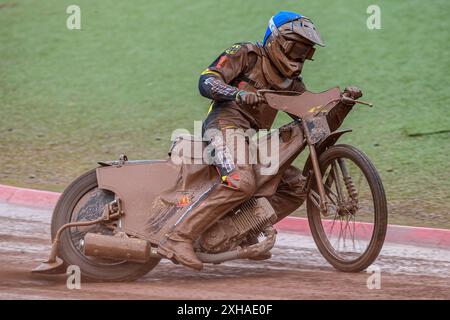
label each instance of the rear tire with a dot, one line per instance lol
(380, 215)
(92, 269)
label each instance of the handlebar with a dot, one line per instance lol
(344, 98)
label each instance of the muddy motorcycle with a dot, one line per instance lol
(110, 220)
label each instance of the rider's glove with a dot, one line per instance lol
(248, 98)
(353, 92)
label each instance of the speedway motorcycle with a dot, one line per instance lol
(110, 220)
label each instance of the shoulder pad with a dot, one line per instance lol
(249, 47)
(252, 47)
(234, 48)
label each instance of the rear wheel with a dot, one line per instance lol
(82, 201)
(352, 233)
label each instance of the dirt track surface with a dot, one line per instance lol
(296, 271)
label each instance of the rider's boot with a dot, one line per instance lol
(178, 243)
(178, 248)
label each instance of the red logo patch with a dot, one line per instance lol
(184, 201)
(221, 62)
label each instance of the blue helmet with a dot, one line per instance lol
(299, 25)
(289, 41)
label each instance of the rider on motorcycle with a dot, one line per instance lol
(231, 81)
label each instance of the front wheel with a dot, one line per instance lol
(83, 200)
(352, 233)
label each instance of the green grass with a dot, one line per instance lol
(129, 77)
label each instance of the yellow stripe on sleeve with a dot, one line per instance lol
(207, 71)
(210, 107)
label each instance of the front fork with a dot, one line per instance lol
(350, 187)
(323, 203)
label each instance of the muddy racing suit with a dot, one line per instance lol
(245, 66)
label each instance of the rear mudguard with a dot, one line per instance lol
(137, 184)
(329, 141)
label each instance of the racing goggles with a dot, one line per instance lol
(297, 50)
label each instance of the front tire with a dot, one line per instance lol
(366, 202)
(84, 191)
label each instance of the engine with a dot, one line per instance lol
(249, 219)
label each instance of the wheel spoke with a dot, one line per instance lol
(331, 192)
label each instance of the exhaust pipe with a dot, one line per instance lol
(242, 253)
(138, 250)
(117, 248)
